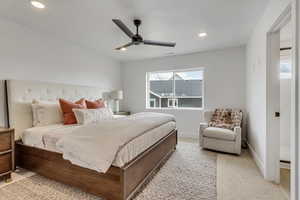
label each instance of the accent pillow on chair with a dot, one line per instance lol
(226, 118)
(67, 109)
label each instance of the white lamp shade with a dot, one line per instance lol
(116, 95)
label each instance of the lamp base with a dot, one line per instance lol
(117, 106)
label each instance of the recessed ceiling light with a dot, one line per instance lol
(202, 34)
(123, 49)
(37, 4)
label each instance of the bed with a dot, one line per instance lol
(36, 147)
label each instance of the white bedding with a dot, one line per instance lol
(46, 137)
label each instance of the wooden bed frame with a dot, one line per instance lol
(115, 184)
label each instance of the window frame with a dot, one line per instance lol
(147, 103)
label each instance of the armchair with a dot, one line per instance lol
(219, 139)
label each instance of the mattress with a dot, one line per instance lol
(46, 137)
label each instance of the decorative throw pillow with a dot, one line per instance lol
(226, 118)
(237, 117)
(67, 109)
(95, 104)
(46, 113)
(87, 116)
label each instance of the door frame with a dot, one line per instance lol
(295, 121)
(272, 165)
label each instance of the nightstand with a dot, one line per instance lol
(126, 113)
(7, 150)
(121, 114)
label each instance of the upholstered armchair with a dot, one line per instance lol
(220, 139)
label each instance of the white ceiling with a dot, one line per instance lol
(88, 23)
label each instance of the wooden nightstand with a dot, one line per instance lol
(121, 114)
(7, 150)
(126, 113)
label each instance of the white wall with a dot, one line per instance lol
(29, 55)
(256, 79)
(224, 83)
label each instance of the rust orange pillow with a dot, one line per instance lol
(95, 104)
(67, 110)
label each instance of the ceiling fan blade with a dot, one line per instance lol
(123, 27)
(124, 46)
(156, 43)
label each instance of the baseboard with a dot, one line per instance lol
(257, 160)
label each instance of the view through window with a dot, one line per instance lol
(177, 89)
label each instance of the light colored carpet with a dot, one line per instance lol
(189, 174)
(240, 179)
(18, 175)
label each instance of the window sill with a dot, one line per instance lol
(175, 109)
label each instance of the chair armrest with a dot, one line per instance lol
(202, 127)
(237, 130)
(238, 140)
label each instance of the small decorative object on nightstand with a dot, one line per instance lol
(7, 148)
(121, 114)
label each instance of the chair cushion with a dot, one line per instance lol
(219, 133)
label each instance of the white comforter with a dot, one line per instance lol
(95, 146)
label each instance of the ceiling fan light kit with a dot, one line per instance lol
(40, 4)
(202, 34)
(137, 39)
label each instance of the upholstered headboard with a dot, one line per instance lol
(21, 93)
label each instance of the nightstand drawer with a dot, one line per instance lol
(5, 163)
(5, 142)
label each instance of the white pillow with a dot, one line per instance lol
(46, 113)
(87, 116)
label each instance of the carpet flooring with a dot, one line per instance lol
(189, 174)
(238, 178)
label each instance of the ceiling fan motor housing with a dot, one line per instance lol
(137, 22)
(137, 39)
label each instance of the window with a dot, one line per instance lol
(172, 103)
(152, 103)
(175, 89)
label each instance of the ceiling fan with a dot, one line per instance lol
(136, 39)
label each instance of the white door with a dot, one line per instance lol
(273, 108)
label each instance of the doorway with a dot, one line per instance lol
(280, 94)
(285, 76)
